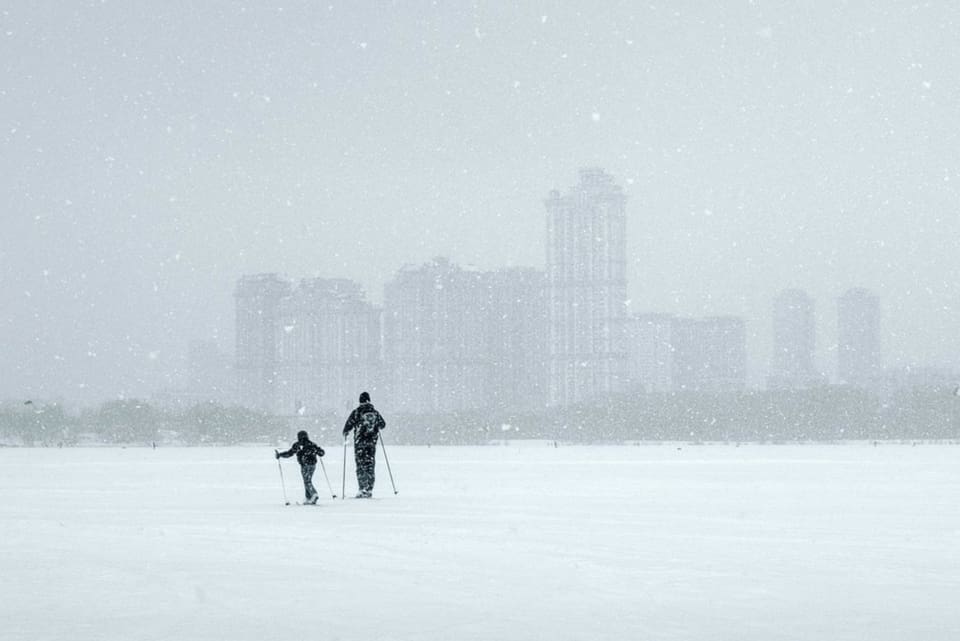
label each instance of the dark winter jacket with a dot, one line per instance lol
(306, 450)
(365, 422)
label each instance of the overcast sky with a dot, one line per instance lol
(152, 152)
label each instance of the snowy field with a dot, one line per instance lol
(828, 542)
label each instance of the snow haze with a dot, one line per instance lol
(153, 153)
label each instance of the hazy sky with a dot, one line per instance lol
(152, 152)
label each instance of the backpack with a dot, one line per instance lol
(368, 422)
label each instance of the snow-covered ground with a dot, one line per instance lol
(828, 542)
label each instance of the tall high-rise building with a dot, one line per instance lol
(330, 346)
(859, 359)
(794, 341)
(586, 290)
(515, 346)
(710, 354)
(433, 338)
(258, 329)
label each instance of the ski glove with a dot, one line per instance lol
(276, 454)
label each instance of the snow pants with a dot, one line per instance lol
(365, 456)
(306, 471)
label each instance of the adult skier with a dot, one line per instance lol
(365, 422)
(307, 453)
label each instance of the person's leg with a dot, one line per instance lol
(369, 464)
(360, 459)
(309, 491)
(363, 453)
(372, 477)
(358, 466)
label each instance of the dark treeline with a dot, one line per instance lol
(822, 414)
(137, 422)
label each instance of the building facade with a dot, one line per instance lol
(515, 344)
(258, 329)
(329, 348)
(651, 352)
(586, 290)
(307, 349)
(433, 338)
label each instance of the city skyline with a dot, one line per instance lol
(150, 158)
(444, 347)
(296, 388)
(452, 339)
(828, 373)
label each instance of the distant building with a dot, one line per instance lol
(258, 330)
(709, 354)
(304, 350)
(670, 353)
(794, 342)
(859, 359)
(586, 290)
(650, 352)
(433, 338)
(330, 347)
(515, 343)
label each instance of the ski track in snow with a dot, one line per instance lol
(496, 543)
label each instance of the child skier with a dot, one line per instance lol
(307, 452)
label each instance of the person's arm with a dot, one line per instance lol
(381, 424)
(293, 450)
(317, 449)
(348, 426)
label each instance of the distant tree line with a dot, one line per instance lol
(137, 422)
(821, 414)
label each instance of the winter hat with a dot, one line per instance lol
(302, 435)
(364, 397)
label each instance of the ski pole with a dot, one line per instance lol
(343, 489)
(283, 483)
(330, 487)
(387, 461)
